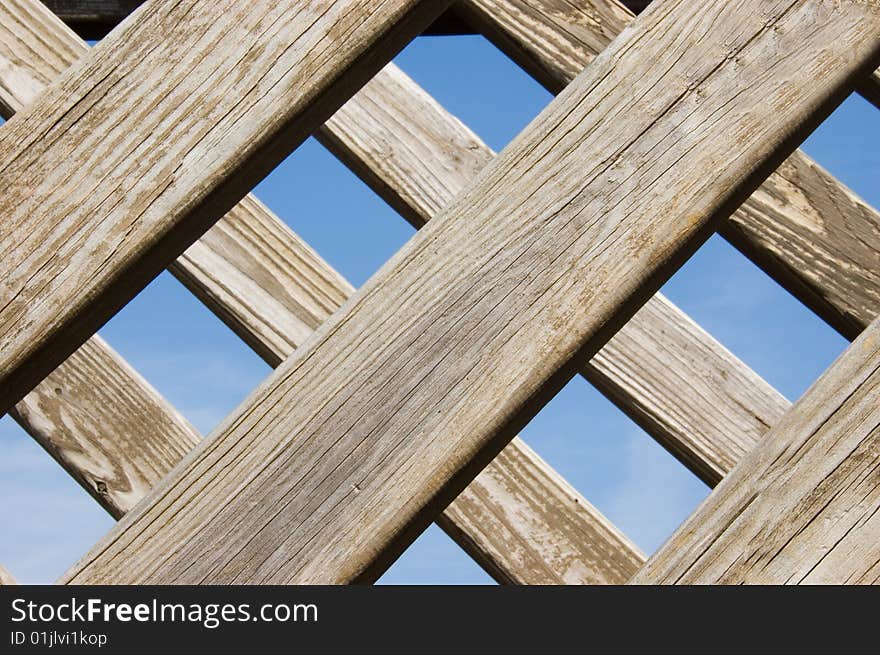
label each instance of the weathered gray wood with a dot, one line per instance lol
(36, 49)
(6, 578)
(817, 239)
(106, 426)
(680, 384)
(689, 392)
(553, 40)
(869, 87)
(263, 280)
(274, 290)
(520, 517)
(132, 155)
(685, 389)
(804, 505)
(405, 145)
(803, 227)
(94, 414)
(540, 533)
(358, 440)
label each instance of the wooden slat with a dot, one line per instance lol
(803, 227)
(106, 426)
(98, 417)
(804, 505)
(542, 532)
(135, 153)
(357, 441)
(684, 388)
(6, 578)
(674, 379)
(553, 40)
(94, 414)
(395, 155)
(28, 65)
(525, 524)
(817, 239)
(869, 87)
(266, 283)
(405, 145)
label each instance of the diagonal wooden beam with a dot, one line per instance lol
(349, 449)
(418, 157)
(99, 418)
(682, 386)
(802, 227)
(804, 505)
(167, 132)
(661, 368)
(106, 425)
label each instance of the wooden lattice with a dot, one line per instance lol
(398, 404)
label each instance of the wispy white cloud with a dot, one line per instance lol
(48, 520)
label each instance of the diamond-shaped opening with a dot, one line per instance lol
(434, 559)
(614, 464)
(48, 520)
(754, 317)
(477, 83)
(185, 351)
(333, 211)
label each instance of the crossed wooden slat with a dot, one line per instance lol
(48, 416)
(496, 543)
(802, 226)
(491, 528)
(257, 274)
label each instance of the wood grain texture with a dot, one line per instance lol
(802, 227)
(869, 87)
(6, 578)
(519, 516)
(405, 145)
(553, 40)
(136, 152)
(541, 532)
(35, 48)
(106, 426)
(345, 453)
(99, 418)
(681, 385)
(804, 505)
(262, 280)
(94, 414)
(817, 239)
(418, 157)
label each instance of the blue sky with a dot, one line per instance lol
(205, 370)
